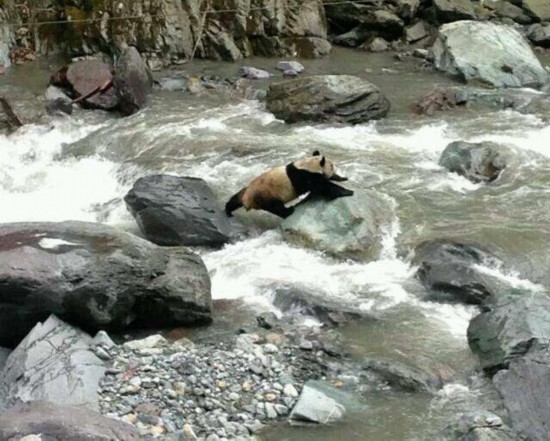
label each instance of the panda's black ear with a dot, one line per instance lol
(316, 153)
(323, 160)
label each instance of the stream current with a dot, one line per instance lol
(80, 168)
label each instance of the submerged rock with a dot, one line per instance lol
(316, 407)
(96, 277)
(54, 363)
(173, 210)
(503, 58)
(525, 388)
(403, 377)
(290, 65)
(348, 227)
(510, 326)
(334, 98)
(447, 269)
(253, 73)
(479, 162)
(132, 80)
(40, 420)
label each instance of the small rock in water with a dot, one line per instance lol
(267, 320)
(290, 73)
(306, 345)
(254, 74)
(313, 405)
(103, 339)
(294, 66)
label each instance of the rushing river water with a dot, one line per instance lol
(80, 168)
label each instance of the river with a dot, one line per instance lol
(80, 168)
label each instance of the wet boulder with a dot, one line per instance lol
(173, 210)
(349, 227)
(93, 79)
(448, 270)
(132, 81)
(510, 325)
(55, 363)
(19, 107)
(525, 388)
(540, 35)
(330, 98)
(503, 57)
(479, 162)
(402, 377)
(41, 420)
(253, 73)
(453, 10)
(95, 277)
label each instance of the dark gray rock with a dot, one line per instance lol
(59, 107)
(348, 227)
(503, 57)
(132, 81)
(509, 327)
(316, 406)
(19, 107)
(172, 210)
(416, 32)
(407, 9)
(353, 37)
(478, 426)
(402, 377)
(511, 11)
(4, 354)
(447, 269)
(479, 162)
(525, 388)
(267, 320)
(335, 98)
(540, 35)
(453, 10)
(52, 422)
(96, 277)
(55, 363)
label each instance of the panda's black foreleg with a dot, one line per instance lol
(278, 208)
(334, 191)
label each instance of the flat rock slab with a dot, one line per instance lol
(525, 388)
(348, 227)
(53, 363)
(315, 406)
(453, 10)
(503, 57)
(173, 210)
(329, 98)
(511, 325)
(95, 277)
(52, 422)
(23, 107)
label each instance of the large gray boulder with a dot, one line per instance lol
(19, 107)
(96, 277)
(173, 210)
(40, 420)
(132, 81)
(448, 270)
(348, 227)
(509, 327)
(525, 388)
(453, 10)
(502, 56)
(54, 363)
(333, 98)
(478, 162)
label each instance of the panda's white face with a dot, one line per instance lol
(319, 164)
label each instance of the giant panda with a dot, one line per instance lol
(273, 189)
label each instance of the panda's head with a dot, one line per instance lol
(317, 163)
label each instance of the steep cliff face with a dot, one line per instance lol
(169, 31)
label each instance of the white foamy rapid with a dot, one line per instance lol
(230, 144)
